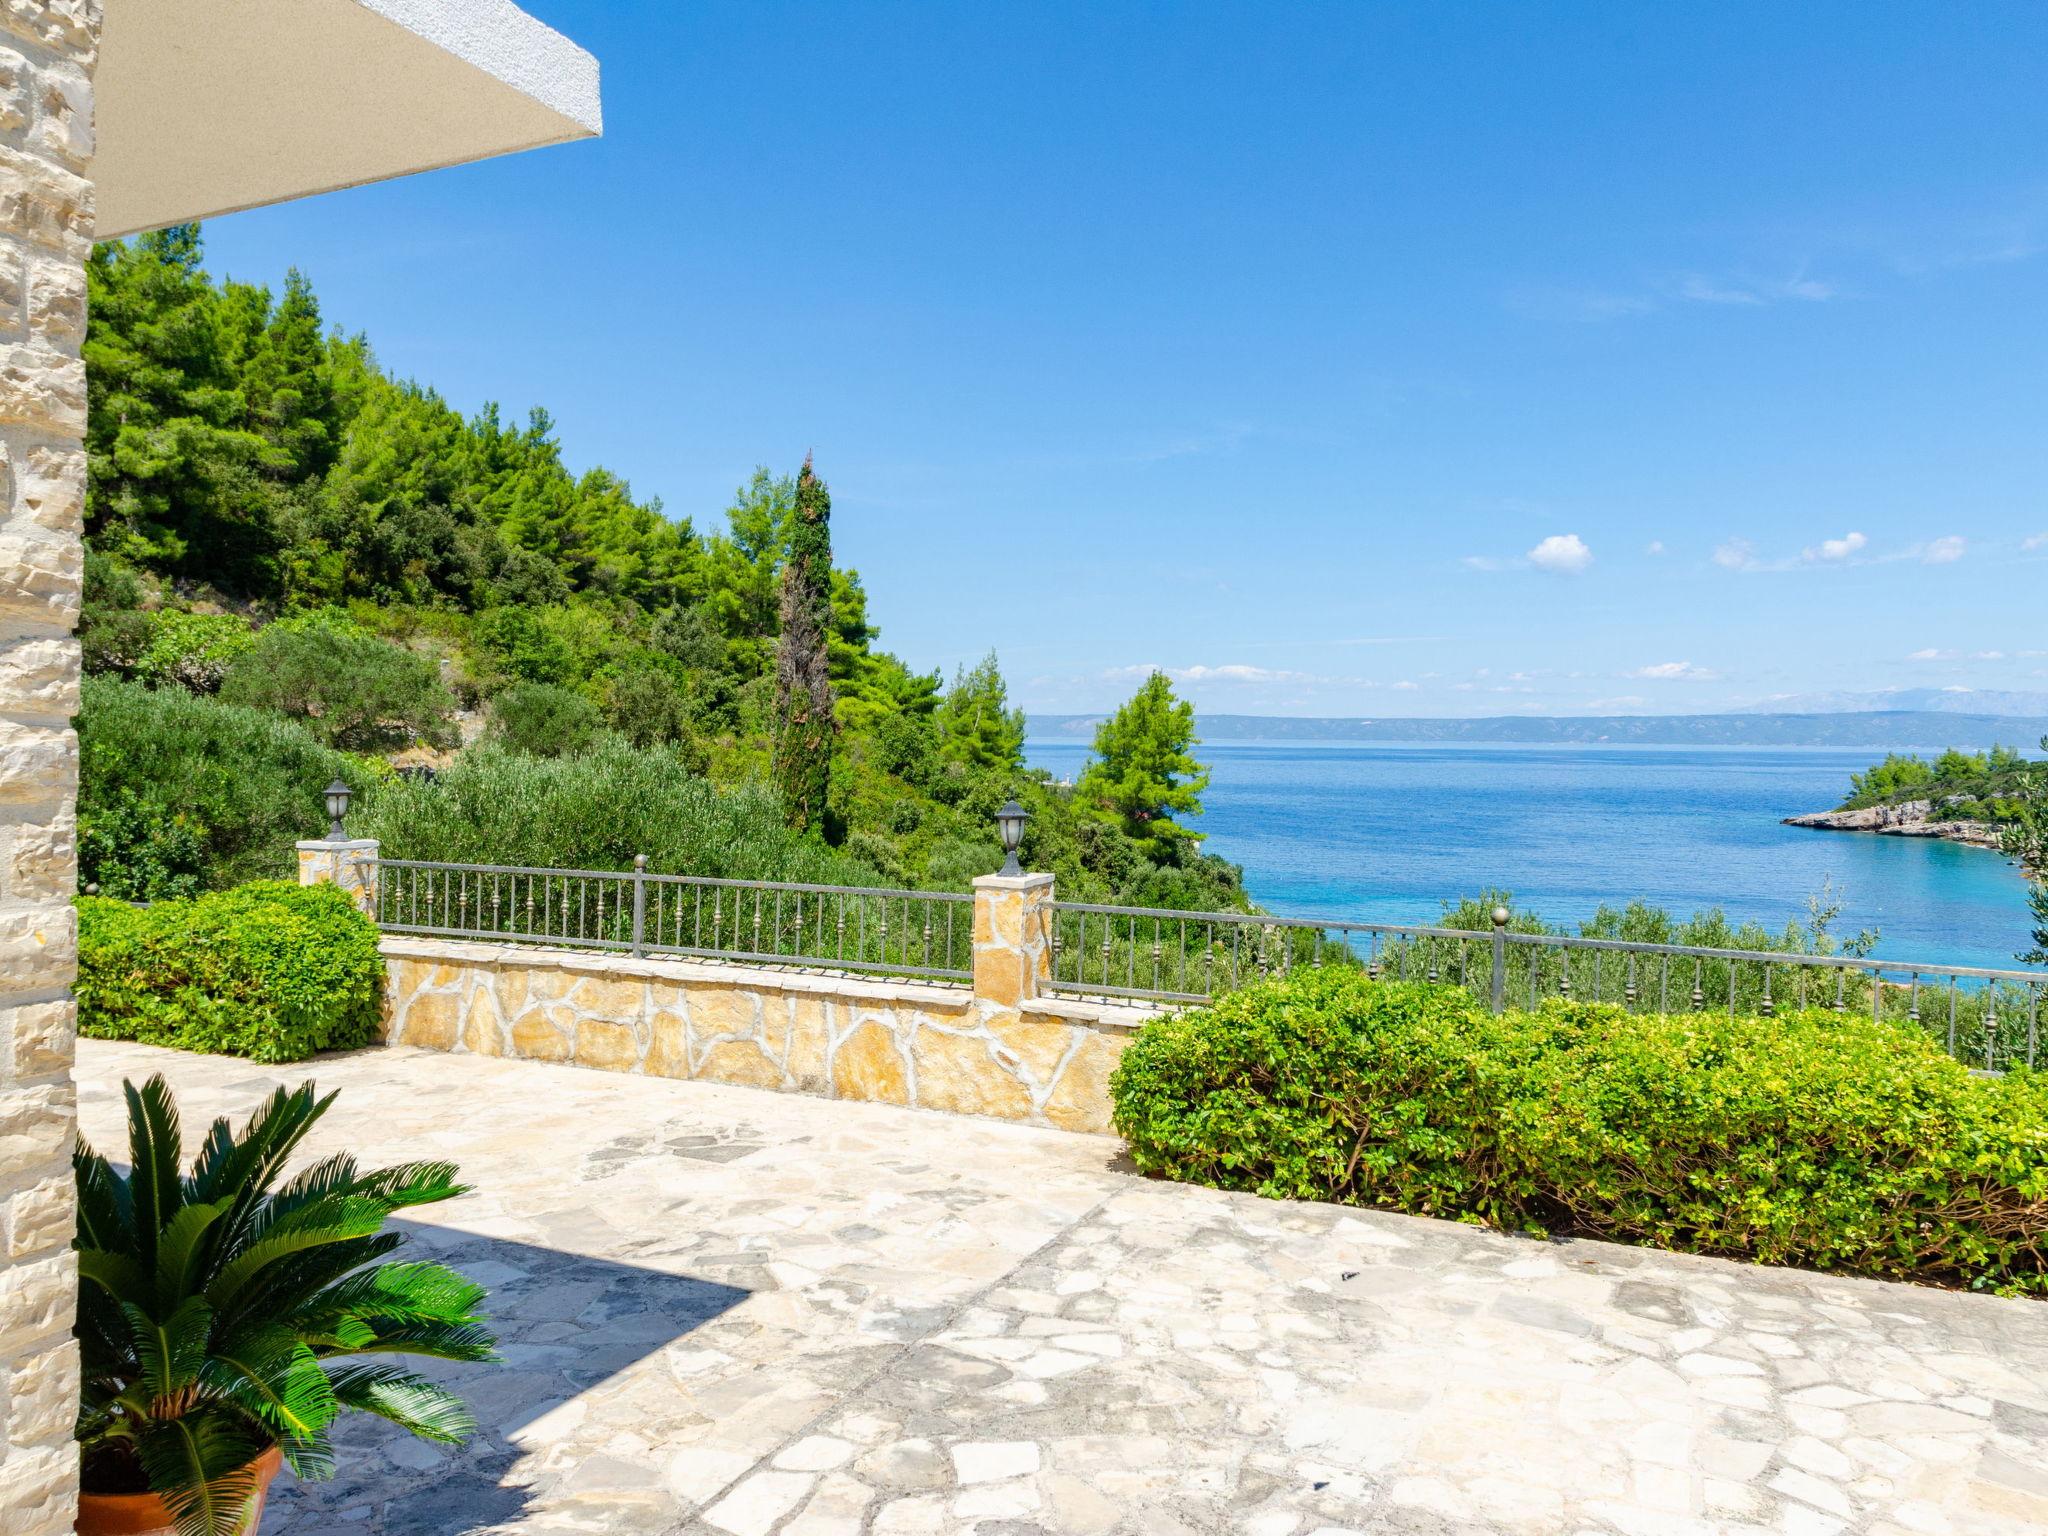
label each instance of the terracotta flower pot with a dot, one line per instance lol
(143, 1514)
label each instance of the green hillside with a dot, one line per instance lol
(298, 562)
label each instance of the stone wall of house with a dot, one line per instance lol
(47, 52)
(1045, 1061)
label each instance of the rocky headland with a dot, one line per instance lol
(1903, 818)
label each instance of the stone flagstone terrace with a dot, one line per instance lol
(735, 1312)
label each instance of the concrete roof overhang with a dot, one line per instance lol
(204, 107)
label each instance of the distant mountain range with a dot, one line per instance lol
(1878, 730)
(1937, 701)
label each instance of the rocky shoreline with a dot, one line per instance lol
(1908, 818)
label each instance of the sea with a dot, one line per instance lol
(1390, 833)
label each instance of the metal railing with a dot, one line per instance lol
(854, 928)
(1988, 1017)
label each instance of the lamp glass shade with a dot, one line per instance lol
(337, 806)
(1010, 824)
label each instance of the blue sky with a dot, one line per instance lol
(1351, 359)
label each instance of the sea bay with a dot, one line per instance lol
(1388, 833)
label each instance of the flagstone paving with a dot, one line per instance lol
(737, 1313)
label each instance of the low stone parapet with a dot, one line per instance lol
(1040, 1060)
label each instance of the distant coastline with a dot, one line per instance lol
(1878, 730)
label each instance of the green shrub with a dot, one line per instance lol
(179, 794)
(269, 970)
(350, 689)
(542, 720)
(193, 650)
(1810, 1138)
(595, 811)
(644, 704)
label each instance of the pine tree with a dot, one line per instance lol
(977, 727)
(804, 726)
(170, 455)
(288, 387)
(1144, 770)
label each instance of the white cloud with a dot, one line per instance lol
(1654, 547)
(1704, 290)
(1698, 288)
(2034, 541)
(1836, 549)
(1562, 554)
(1736, 555)
(1229, 672)
(1852, 548)
(1935, 653)
(1237, 672)
(1404, 686)
(1943, 551)
(1675, 672)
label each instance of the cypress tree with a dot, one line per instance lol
(804, 726)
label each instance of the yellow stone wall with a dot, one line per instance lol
(1039, 1060)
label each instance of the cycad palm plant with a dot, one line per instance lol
(222, 1313)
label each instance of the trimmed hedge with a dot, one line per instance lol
(1812, 1138)
(270, 970)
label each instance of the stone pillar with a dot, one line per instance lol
(47, 52)
(350, 864)
(1012, 939)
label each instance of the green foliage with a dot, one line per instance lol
(523, 647)
(645, 703)
(543, 721)
(1976, 786)
(1809, 1138)
(596, 811)
(113, 631)
(1143, 772)
(2026, 841)
(231, 441)
(1896, 775)
(192, 650)
(222, 1312)
(270, 970)
(179, 794)
(173, 462)
(351, 690)
(977, 728)
(1641, 923)
(804, 727)
(744, 569)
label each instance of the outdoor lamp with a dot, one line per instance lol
(1010, 823)
(337, 807)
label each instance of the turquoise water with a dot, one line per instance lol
(1387, 833)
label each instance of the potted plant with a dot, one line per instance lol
(225, 1319)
